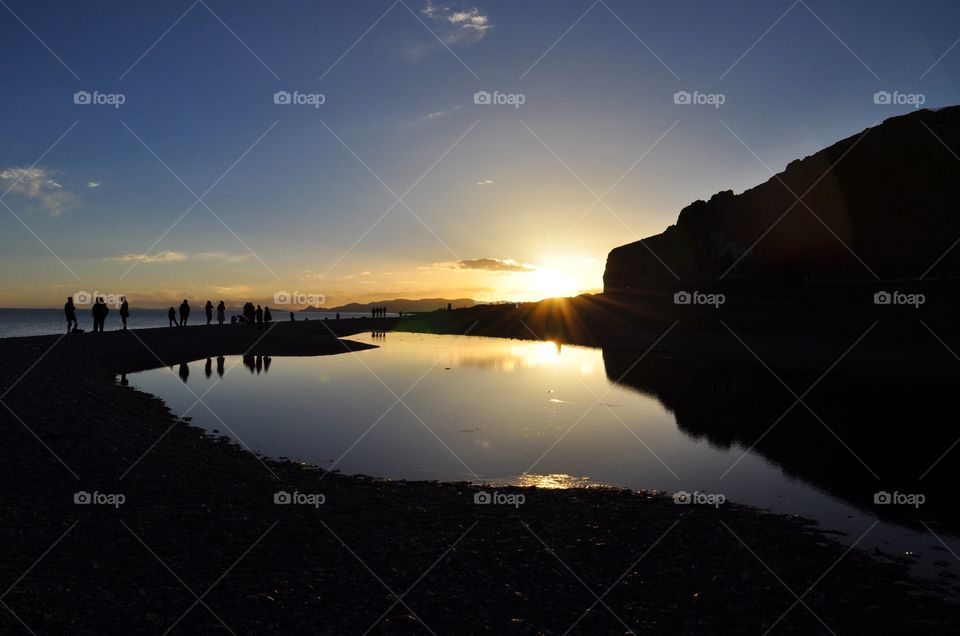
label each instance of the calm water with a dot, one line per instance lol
(504, 411)
(15, 323)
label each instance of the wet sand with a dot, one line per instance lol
(199, 519)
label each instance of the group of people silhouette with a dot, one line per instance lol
(99, 311)
(252, 315)
(259, 316)
(378, 312)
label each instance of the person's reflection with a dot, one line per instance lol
(259, 364)
(123, 379)
(248, 362)
(184, 371)
(208, 368)
(266, 363)
(220, 361)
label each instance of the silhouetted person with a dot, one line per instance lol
(338, 315)
(221, 312)
(184, 371)
(99, 311)
(266, 363)
(373, 312)
(220, 361)
(208, 368)
(248, 362)
(249, 313)
(184, 312)
(259, 364)
(124, 311)
(292, 318)
(259, 317)
(267, 316)
(172, 316)
(70, 311)
(208, 312)
(449, 307)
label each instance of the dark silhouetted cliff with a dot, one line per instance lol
(891, 194)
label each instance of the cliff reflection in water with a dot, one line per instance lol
(848, 436)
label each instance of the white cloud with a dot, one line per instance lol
(38, 184)
(157, 257)
(457, 26)
(485, 182)
(93, 184)
(170, 256)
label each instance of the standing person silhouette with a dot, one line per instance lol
(208, 368)
(220, 361)
(267, 317)
(172, 316)
(70, 311)
(221, 312)
(184, 312)
(99, 311)
(259, 315)
(124, 311)
(208, 311)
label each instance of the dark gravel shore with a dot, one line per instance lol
(200, 546)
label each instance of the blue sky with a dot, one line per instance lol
(297, 198)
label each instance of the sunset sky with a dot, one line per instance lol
(497, 201)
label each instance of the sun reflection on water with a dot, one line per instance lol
(554, 481)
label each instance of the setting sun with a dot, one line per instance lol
(550, 283)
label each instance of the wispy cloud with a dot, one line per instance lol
(488, 265)
(156, 257)
(170, 256)
(38, 184)
(429, 117)
(93, 184)
(485, 182)
(455, 25)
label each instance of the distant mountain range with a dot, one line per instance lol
(400, 304)
(886, 201)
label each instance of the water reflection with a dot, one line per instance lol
(850, 436)
(254, 363)
(535, 413)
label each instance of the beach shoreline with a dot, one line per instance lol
(199, 512)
